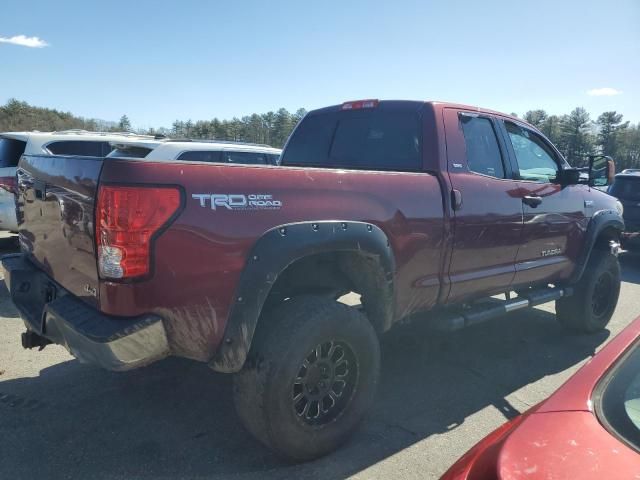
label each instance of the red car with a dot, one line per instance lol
(588, 429)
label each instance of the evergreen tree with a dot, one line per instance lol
(124, 125)
(576, 139)
(536, 118)
(610, 124)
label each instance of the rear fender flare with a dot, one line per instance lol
(271, 255)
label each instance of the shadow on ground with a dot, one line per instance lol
(630, 263)
(176, 418)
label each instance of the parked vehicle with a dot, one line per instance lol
(213, 151)
(69, 142)
(423, 209)
(101, 144)
(588, 429)
(626, 188)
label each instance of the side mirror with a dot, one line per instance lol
(602, 169)
(568, 176)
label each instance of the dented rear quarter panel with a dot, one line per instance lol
(199, 258)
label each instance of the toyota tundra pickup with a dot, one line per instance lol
(427, 211)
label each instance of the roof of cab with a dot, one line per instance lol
(436, 105)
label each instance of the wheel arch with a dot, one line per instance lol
(359, 256)
(605, 227)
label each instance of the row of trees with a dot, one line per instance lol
(272, 128)
(575, 134)
(18, 116)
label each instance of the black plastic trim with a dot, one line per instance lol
(601, 220)
(271, 255)
(29, 287)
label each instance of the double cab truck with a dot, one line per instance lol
(428, 211)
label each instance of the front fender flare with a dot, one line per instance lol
(600, 221)
(271, 255)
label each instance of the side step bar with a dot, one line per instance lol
(479, 313)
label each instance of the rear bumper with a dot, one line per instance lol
(113, 343)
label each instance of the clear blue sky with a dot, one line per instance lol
(157, 61)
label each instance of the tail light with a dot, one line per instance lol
(10, 184)
(358, 104)
(127, 219)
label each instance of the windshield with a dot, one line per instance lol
(619, 402)
(626, 188)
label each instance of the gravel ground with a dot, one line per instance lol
(175, 419)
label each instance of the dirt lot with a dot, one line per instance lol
(175, 419)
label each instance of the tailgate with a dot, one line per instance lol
(56, 197)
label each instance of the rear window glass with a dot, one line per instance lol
(80, 147)
(10, 152)
(483, 152)
(251, 158)
(618, 398)
(201, 156)
(626, 188)
(130, 152)
(364, 139)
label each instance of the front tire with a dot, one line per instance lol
(595, 297)
(310, 378)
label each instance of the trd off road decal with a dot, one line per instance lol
(237, 201)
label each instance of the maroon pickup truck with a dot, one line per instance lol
(424, 210)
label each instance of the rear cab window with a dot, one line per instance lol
(10, 151)
(386, 137)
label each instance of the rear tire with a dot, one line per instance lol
(595, 296)
(310, 378)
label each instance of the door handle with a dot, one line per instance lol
(532, 200)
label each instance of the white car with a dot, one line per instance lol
(69, 142)
(215, 151)
(97, 144)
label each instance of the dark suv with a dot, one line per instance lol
(626, 188)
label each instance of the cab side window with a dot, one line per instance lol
(536, 160)
(483, 152)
